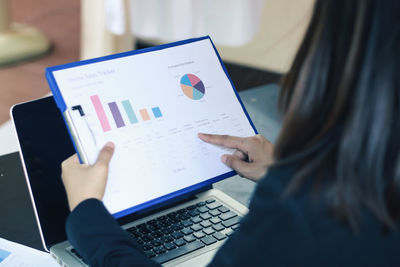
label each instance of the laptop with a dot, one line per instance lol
(184, 228)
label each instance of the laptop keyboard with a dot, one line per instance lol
(186, 230)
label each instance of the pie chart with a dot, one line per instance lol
(192, 86)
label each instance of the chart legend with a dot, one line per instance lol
(192, 86)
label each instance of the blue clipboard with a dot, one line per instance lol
(63, 107)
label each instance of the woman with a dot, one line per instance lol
(328, 192)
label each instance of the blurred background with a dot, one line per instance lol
(257, 39)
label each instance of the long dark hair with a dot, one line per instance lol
(345, 84)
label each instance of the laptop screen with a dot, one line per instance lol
(44, 144)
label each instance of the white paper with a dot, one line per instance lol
(161, 155)
(17, 255)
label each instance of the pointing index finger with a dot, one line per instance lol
(224, 140)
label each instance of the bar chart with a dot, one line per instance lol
(115, 109)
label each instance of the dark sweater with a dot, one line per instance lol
(293, 231)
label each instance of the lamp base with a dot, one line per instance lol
(22, 43)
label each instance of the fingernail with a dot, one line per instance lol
(110, 145)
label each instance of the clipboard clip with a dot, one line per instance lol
(84, 133)
(79, 108)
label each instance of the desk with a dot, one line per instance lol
(17, 221)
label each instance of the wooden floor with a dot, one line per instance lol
(60, 21)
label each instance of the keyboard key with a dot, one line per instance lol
(230, 233)
(208, 201)
(200, 204)
(183, 250)
(152, 222)
(150, 254)
(227, 216)
(208, 231)
(199, 234)
(145, 231)
(235, 227)
(186, 231)
(208, 240)
(177, 226)
(155, 227)
(197, 219)
(136, 235)
(180, 242)
(215, 220)
(169, 246)
(132, 229)
(231, 222)
(165, 223)
(159, 250)
(141, 226)
(171, 214)
(205, 216)
(147, 238)
(196, 227)
(218, 227)
(167, 231)
(214, 205)
(166, 239)
(193, 213)
(189, 238)
(185, 216)
(187, 223)
(175, 220)
(223, 209)
(156, 243)
(192, 207)
(219, 236)
(203, 209)
(146, 247)
(177, 235)
(215, 212)
(157, 234)
(205, 223)
(181, 211)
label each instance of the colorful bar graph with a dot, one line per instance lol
(105, 125)
(157, 112)
(129, 111)
(116, 114)
(145, 115)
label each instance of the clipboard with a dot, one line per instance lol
(181, 88)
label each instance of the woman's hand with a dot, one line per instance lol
(84, 181)
(252, 157)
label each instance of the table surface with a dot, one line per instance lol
(17, 220)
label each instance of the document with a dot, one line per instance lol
(17, 255)
(152, 106)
